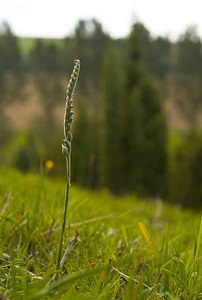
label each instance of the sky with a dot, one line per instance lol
(58, 18)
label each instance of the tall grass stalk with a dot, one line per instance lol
(66, 148)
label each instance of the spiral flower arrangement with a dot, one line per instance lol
(66, 148)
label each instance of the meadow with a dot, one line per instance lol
(119, 248)
(124, 247)
(26, 43)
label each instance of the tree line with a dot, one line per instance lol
(120, 126)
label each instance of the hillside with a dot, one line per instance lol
(123, 248)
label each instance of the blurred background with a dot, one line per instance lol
(138, 103)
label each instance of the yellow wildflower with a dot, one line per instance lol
(49, 164)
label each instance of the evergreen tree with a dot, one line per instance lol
(145, 134)
(89, 45)
(112, 122)
(187, 81)
(159, 57)
(155, 160)
(9, 50)
(86, 144)
(10, 84)
(186, 170)
(45, 65)
(81, 144)
(189, 52)
(133, 141)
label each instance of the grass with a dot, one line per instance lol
(124, 248)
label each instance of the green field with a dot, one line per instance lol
(124, 248)
(27, 43)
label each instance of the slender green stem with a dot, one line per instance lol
(65, 211)
(66, 149)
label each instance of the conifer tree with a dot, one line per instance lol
(10, 84)
(112, 122)
(155, 160)
(81, 144)
(145, 134)
(85, 170)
